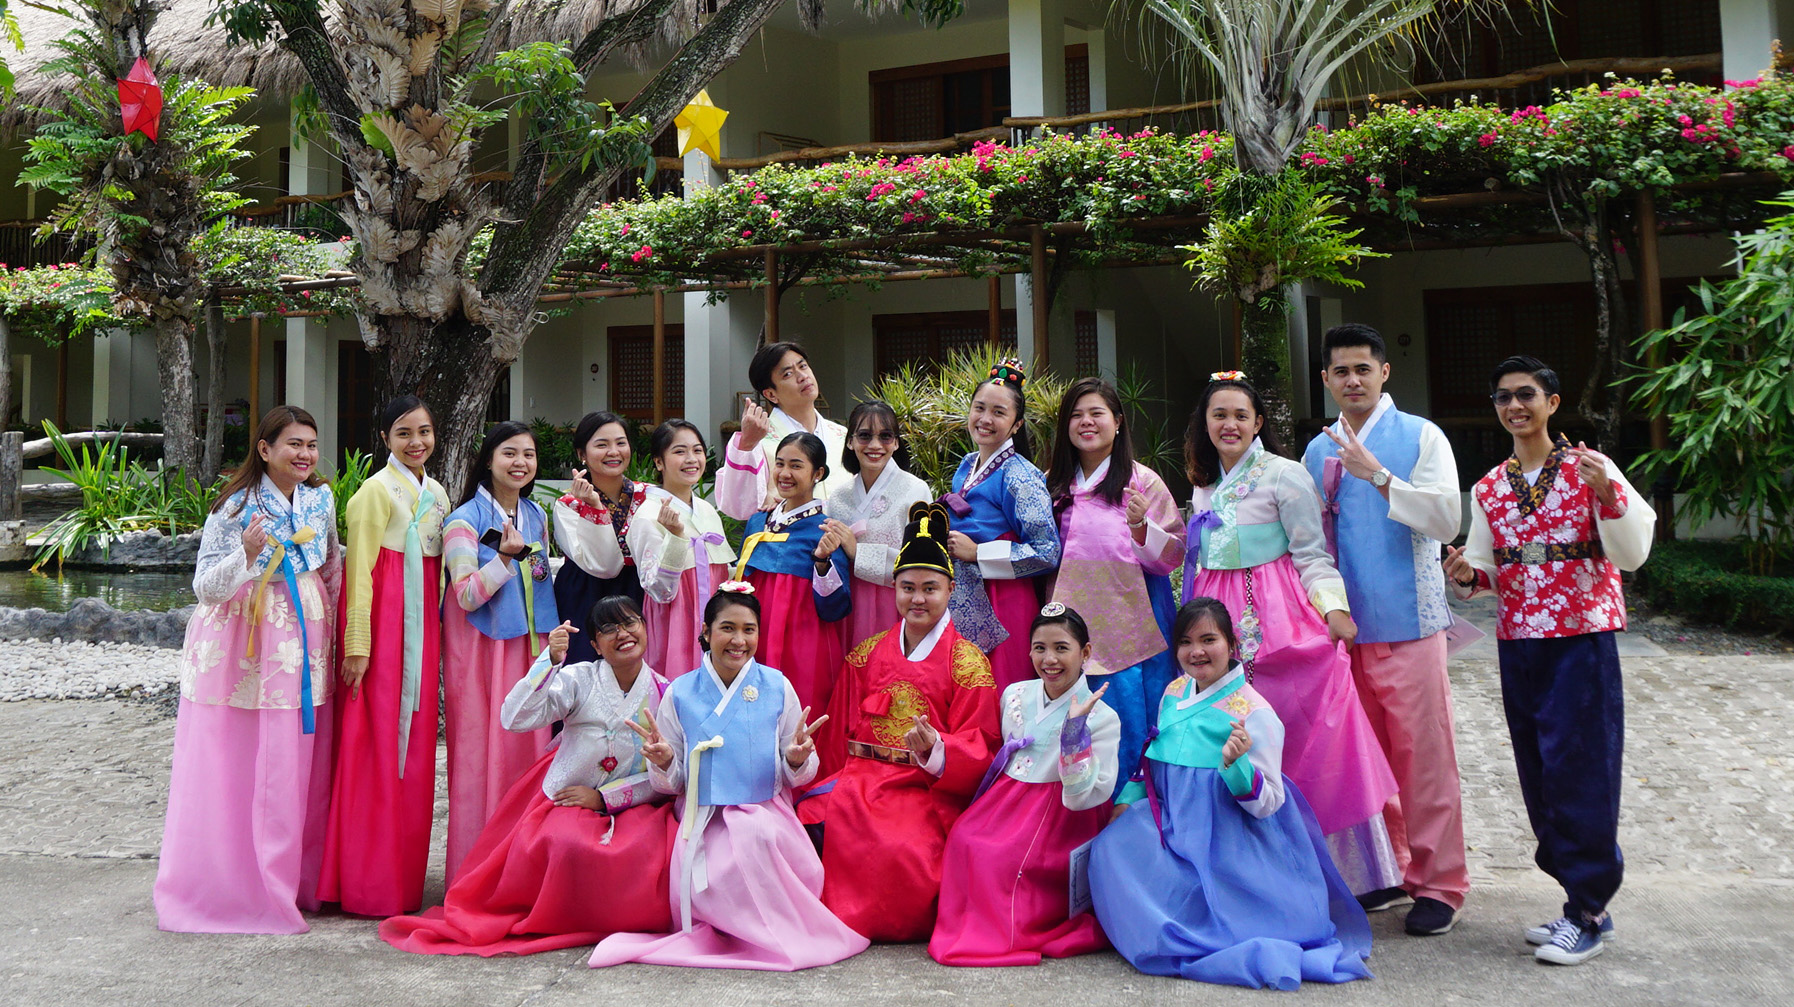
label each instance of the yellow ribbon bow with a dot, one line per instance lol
(747, 548)
(302, 536)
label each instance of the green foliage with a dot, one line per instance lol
(554, 448)
(1157, 444)
(74, 153)
(1704, 581)
(356, 468)
(56, 302)
(1727, 390)
(9, 36)
(1268, 231)
(118, 495)
(931, 404)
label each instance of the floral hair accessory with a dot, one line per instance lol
(1009, 371)
(735, 587)
(1228, 376)
(1052, 609)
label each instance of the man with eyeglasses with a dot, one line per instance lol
(1390, 488)
(1551, 528)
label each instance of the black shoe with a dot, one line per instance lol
(1430, 917)
(1383, 898)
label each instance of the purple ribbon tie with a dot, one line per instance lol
(1001, 762)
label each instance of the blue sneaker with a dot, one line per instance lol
(1541, 934)
(1571, 943)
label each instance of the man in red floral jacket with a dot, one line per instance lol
(1551, 528)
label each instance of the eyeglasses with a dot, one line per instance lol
(1525, 395)
(607, 628)
(867, 437)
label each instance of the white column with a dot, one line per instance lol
(1097, 40)
(1105, 342)
(1037, 57)
(720, 338)
(311, 350)
(111, 378)
(1745, 30)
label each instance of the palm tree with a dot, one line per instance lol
(1272, 61)
(147, 201)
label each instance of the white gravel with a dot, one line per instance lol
(53, 669)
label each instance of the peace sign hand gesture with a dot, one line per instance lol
(1356, 458)
(1083, 708)
(803, 745)
(1237, 744)
(654, 747)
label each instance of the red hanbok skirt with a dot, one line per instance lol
(795, 640)
(377, 843)
(541, 878)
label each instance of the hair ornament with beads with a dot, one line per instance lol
(1009, 370)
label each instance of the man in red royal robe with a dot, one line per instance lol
(913, 726)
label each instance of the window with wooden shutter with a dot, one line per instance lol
(632, 371)
(924, 339)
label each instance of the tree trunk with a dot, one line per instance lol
(451, 367)
(1265, 359)
(1602, 403)
(214, 452)
(174, 369)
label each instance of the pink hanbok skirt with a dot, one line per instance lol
(673, 627)
(762, 908)
(244, 835)
(484, 759)
(1329, 748)
(1005, 879)
(377, 846)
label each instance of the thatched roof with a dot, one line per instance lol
(187, 46)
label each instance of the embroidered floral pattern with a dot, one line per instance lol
(1557, 598)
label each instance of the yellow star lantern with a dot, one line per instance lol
(700, 127)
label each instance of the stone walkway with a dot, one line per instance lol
(1708, 830)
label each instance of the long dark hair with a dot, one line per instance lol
(1202, 460)
(589, 425)
(1024, 442)
(1195, 609)
(479, 473)
(249, 474)
(1066, 463)
(662, 439)
(881, 411)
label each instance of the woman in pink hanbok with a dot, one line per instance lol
(251, 781)
(1257, 544)
(731, 741)
(680, 551)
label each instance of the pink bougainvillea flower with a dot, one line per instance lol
(641, 253)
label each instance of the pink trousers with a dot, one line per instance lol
(1407, 696)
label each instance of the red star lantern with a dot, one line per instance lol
(140, 100)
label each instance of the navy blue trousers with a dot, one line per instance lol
(1566, 716)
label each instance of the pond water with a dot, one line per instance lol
(57, 591)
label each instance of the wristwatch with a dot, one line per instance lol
(1379, 478)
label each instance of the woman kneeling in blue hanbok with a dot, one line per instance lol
(1218, 870)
